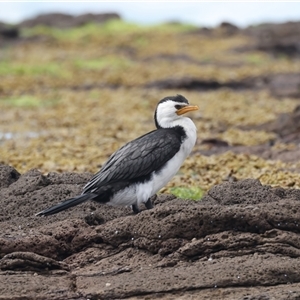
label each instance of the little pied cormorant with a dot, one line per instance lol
(143, 166)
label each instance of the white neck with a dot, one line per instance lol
(189, 127)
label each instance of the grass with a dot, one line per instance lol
(194, 192)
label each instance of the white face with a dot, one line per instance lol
(167, 112)
(168, 109)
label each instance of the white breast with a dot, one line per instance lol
(160, 179)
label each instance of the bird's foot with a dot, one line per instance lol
(135, 208)
(149, 204)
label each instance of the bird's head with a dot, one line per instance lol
(170, 109)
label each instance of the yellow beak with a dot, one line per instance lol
(186, 109)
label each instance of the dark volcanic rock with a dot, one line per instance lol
(171, 58)
(241, 193)
(95, 18)
(285, 85)
(8, 175)
(242, 238)
(52, 19)
(8, 31)
(184, 83)
(266, 151)
(280, 85)
(61, 20)
(278, 39)
(190, 83)
(287, 126)
(228, 28)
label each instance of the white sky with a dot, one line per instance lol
(198, 13)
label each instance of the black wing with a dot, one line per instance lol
(138, 158)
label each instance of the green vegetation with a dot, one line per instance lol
(27, 101)
(102, 63)
(257, 59)
(110, 28)
(51, 69)
(194, 192)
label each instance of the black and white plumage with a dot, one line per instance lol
(143, 166)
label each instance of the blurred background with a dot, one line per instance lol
(143, 12)
(78, 80)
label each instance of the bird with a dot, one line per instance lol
(140, 168)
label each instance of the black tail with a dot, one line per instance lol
(66, 204)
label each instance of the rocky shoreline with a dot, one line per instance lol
(242, 239)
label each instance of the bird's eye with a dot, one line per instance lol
(178, 106)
